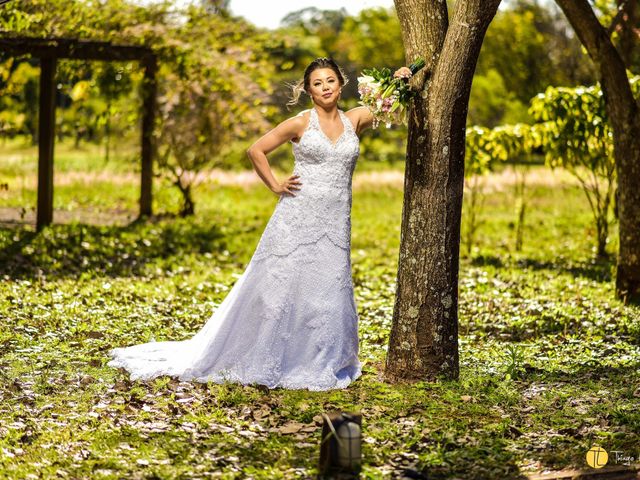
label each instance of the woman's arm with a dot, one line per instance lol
(275, 137)
(363, 116)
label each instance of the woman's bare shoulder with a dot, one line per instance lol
(295, 122)
(304, 114)
(355, 112)
(299, 123)
(359, 116)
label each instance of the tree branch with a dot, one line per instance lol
(622, 8)
(611, 68)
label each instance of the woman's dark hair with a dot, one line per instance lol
(304, 83)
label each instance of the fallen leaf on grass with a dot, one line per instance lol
(262, 412)
(291, 427)
(185, 400)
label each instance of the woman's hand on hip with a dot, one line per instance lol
(291, 183)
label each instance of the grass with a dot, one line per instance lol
(549, 359)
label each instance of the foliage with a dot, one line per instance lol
(203, 110)
(576, 135)
(478, 162)
(491, 104)
(573, 132)
(322, 25)
(19, 87)
(532, 46)
(371, 38)
(190, 40)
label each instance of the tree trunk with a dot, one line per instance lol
(424, 334)
(624, 116)
(188, 205)
(627, 153)
(107, 132)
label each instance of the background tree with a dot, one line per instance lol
(424, 334)
(491, 103)
(19, 98)
(477, 163)
(577, 136)
(528, 46)
(624, 115)
(488, 150)
(113, 82)
(513, 145)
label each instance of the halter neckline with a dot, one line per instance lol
(344, 121)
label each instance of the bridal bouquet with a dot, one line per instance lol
(385, 96)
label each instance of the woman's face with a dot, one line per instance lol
(324, 86)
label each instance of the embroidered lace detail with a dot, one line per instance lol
(322, 206)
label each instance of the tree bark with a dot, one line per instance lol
(424, 334)
(625, 24)
(622, 110)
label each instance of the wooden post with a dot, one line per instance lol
(49, 50)
(46, 126)
(149, 88)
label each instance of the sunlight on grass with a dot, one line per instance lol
(549, 359)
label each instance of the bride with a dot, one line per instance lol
(290, 320)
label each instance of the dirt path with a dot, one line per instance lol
(537, 176)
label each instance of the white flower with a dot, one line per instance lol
(367, 79)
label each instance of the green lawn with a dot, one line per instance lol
(549, 359)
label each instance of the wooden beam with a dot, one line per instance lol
(46, 126)
(71, 48)
(149, 88)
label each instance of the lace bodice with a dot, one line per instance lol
(322, 206)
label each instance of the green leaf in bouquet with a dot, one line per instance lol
(388, 91)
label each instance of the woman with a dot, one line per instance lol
(290, 319)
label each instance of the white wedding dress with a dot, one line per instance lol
(290, 320)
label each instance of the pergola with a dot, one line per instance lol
(48, 50)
